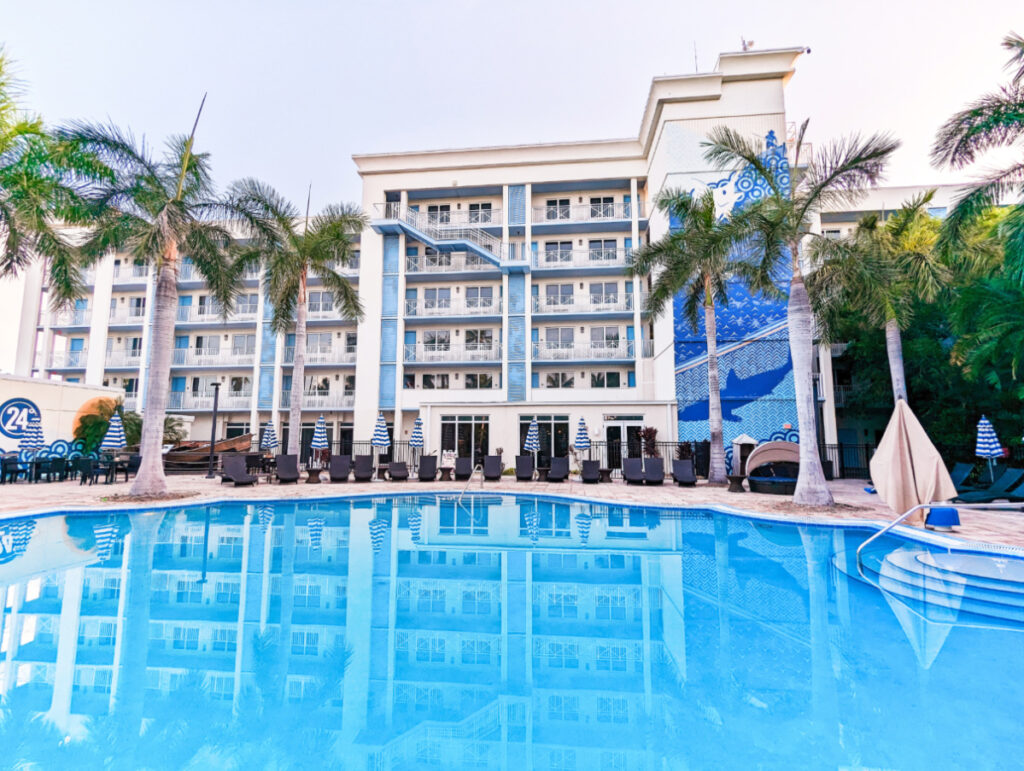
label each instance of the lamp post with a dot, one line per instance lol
(213, 429)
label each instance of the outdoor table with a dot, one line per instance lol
(606, 474)
(542, 474)
(446, 473)
(37, 467)
(381, 471)
(314, 476)
(736, 483)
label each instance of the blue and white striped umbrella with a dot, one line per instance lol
(532, 443)
(265, 515)
(988, 443)
(316, 532)
(533, 524)
(32, 439)
(378, 529)
(320, 435)
(416, 440)
(583, 522)
(114, 439)
(582, 437)
(269, 440)
(380, 433)
(105, 535)
(14, 538)
(415, 525)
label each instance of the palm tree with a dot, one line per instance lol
(776, 226)
(996, 120)
(695, 260)
(988, 317)
(291, 248)
(156, 210)
(877, 273)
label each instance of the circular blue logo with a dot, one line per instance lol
(15, 415)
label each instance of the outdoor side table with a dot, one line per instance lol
(736, 483)
(542, 474)
(314, 476)
(606, 474)
(446, 473)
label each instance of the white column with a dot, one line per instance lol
(277, 409)
(358, 628)
(32, 317)
(67, 648)
(103, 289)
(634, 234)
(254, 402)
(528, 289)
(147, 336)
(46, 353)
(400, 339)
(826, 388)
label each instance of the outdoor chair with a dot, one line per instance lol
(524, 468)
(959, 475)
(633, 471)
(428, 468)
(339, 467)
(590, 471)
(492, 468)
(287, 469)
(999, 489)
(135, 463)
(398, 471)
(88, 470)
(11, 470)
(683, 473)
(559, 470)
(58, 470)
(363, 469)
(234, 470)
(463, 469)
(654, 471)
(984, 481)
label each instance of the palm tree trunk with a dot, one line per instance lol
(298, 372)
(150, 480)
(716, 469)
(811, 488)
(894, 349)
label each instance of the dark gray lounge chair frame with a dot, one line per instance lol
(287, 469)
(559, 470)
(362, 469)
(340, 468)
(524, 468)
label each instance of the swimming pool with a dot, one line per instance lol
(506, 631)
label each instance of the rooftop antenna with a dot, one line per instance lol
(746, 44)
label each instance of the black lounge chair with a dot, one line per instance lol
(463, 469)
(234, 471)
(428, 468)
(12, 469)
(999, 489)
(633, 471)
(683, 473)
(287, 468)
(590, 471)
(135, 463)
(363, 469)
(492, 468)
(88, 470)
(654, 471)
(559, 470)
(339, 467)
(959, 474)
(524, 468)
(398, 471)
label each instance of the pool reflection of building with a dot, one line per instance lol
(479, 633)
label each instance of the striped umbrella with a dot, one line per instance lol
(269, 440)
(582, 436)
(416, 440)
(32, 439)
(114, 439)
(14, 538)
(988, 445)
(415, 525)
(265, 515)
(533, 524)
(380, 433)
(532, 443)
(583, 522)
(316, 532)
(105, 535)
(378, 529)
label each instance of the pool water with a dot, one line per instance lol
(502, 632)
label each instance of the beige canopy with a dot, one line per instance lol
(906, 468)
(773, 452)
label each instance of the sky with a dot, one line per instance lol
(295, 88)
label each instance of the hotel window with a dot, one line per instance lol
(480, 297)
(208, 305)
(408, 380)
(247, 303)
(557, 251)
(604, 292)
(220, 687)
(186, 638)
(612, 710)
(559, 380)
(562, 760)
(107, 634)
(559, 337)
(556, 209)
(340, 596)
(557, 295)
(430, 601)
(437, 340)
(468, 519)
(349, 383)
(833, 234)
(476, 652)
(562, 604)
(131, 385)
(479, 339)
(101, 680)
(189, 591)
(321, 302)
(434, 259)
(437, 298)
(138, 306)
(435, 381)
(564, 708)
(553, 432)
(243, 345)
(318, 385)
(476, 602)
(604, 337)
(228, 592)
(439, 214)
(111, 588)
(318, 342)
(236, 429)
(224, 639)
(305, 643)
(467, 435)
(307, 595)
(605, 379)
(602, 249)
(610, 561)
(190, 545)
(229, 547)
(430, 649)
(611, 658)
(242, 386)
(351, 341)
(611, 606)
(602, 207)
(475, 380)
(207, 345)
(563, 655)
(479, 213)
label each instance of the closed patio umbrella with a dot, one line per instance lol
(416, 440)
(319, 443)
(582, 436)
(987, 445)
(532, 442)
(114, 439)
(380, 438)
(269, 441)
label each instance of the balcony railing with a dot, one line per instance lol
(211, 314)
(203, 357)
(447, 262)
(349, 270)
(321, 401)
(125, 357)
(449, 352)
(68, 359)
(131, 402)
(488, 217)
(71, 317)
(187, 272)
(323, 355)
(582, 258)
(481, 306)
(128, 315)
(434, 226)
(586, 212)
(612, 350)
(130, 274)
(230, 400)
(325, 312)
(585, 303)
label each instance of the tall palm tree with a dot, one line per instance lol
(695, 259)
(988, 318)
(157, 210)
(291, 248)
(877, 273)
(777, 225)
(995, 120)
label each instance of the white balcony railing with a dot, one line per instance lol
(323, 355)
(557, 259)
(584, 303)
(124, 357)
(130, 274)
(229, 400)
(475, 217)
(321, 401)
(586, 212)
(481, 306)
(434, 226)
(349, 270)
(131, 402)
(128, 314)
(447, 262)
(442, 352)
(325, 312)
(211, 314)
(610, 350)
(204, 357)
(71, 317)
(68, 359)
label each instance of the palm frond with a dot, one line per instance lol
(972, 204)
(992, 121)
(1014, 43)
(726, 147)
(842, 170)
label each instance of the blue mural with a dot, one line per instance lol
(59, 449)
(15, 415)
(755, 369)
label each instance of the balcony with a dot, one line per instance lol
(128, 315)
(187, 271)
(586, 212)
(68, 359)
(129, 358)
(322, 311)
(576, 259)
(323, 355)
(131, 402)
(230, 400)
(435, 229)
(481, 306)
(211, 314)
(350, 271)
(585, 303)
(204, 357)
(130, 274)
(71, 317)
(321, 401)
(421, 353)
(619, 350)
(447, 262)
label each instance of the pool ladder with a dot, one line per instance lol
(478, 467)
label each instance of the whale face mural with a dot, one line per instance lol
(755, 370)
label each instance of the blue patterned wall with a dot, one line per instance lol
(755, 371)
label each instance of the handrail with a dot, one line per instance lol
(478, 467)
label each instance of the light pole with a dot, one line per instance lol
(213, 429)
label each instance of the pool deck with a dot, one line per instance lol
(988, 527)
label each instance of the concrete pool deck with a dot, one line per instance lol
(852, 503)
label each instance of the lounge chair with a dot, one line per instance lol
(463, 469)
(590, 471)
(135, 463)
(339, 467)
(654, 471)
(959, 474)
(559, 470)
(683, 473)
(428, 468)
(234, 471)
(363, 469)
(287, 468)
(492, 468)
(398, 471)
(524, 468)
(983, 483)
(633, 471)
(999, 489)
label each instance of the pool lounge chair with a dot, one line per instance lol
(590, 471)
(984, 482)
(999, 489)
(363, 469)
(959, 474)
(428, 468)
(683, 473)
(463, 469)
(559, 470)
(234, 471)
(654, 471)
(287, 469)
(492, 468)
(524, 468)
(339, 467)
(633, 471)
(398, 471)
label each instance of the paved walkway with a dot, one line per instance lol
(852, 502)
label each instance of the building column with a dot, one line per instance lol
(147, 337)
(254, 401)
(528, 246)
(826, 389)
(638, 334)
(67, 648)
(32, 317)
(102, 291)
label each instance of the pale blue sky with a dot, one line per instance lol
(296, 87)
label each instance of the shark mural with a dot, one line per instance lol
(753, 344)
